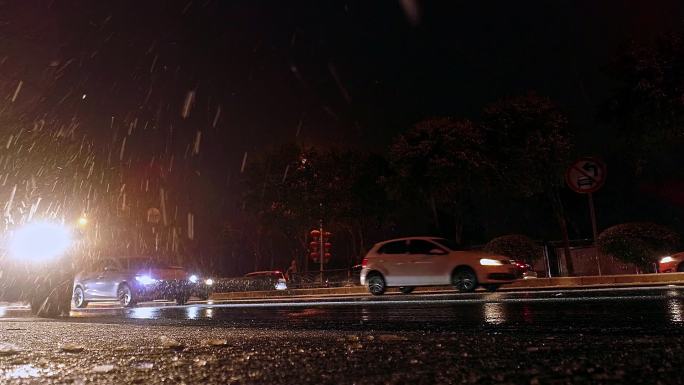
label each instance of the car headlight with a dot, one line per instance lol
(667, 259)
(193, 278)
(145, 279)
(490, 262)
(208, 281)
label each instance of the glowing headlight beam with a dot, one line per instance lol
(193, 278)
(666, 259)
(145, 279)
(209, 282)
(490, 262)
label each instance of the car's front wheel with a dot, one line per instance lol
(406, 289)
(376, 284)
(464, 280)
(79, 298)
(125, 295)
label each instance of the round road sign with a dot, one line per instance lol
(586, 175)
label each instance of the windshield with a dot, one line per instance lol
(142, 263)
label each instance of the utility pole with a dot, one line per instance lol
(321, 248)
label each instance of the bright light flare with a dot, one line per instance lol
(667, 259)
(193, 278)
(209, 282)
(82, 221)
(145, 279)
(490, 262)
(40, 241)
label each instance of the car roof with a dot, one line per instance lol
(426, 238)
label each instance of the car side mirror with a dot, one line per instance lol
(437, 252)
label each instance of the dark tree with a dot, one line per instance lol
(440, 163)
(647, 108)
(640, 243)
(291, 188)
(516, 246)
(529, 139)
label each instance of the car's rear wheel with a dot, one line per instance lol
(79, 298)
(376, 284)
(125, 295)
(491, 287)
(406, 289)
(464, 280)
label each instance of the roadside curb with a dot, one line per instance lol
(564, 283)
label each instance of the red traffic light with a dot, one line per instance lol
(315, 233)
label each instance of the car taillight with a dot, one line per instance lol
(364, 263)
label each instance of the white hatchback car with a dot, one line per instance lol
(431, 261)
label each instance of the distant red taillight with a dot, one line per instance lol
(364, 263)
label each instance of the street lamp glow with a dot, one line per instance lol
(40, 241)
(82, 221)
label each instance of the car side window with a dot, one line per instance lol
(96, 267)
(420, 246)
(397, 247)
(111, 265)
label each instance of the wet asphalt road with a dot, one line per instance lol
(556, 337)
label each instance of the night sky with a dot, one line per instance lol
(349, 72)
(253, 74)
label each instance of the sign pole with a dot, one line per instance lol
(594, 229)
(586, 176)
(321, 248)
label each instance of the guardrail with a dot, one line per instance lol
(627, 280)
(305, 280)
(331, 278)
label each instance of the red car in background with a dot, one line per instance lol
(671, 263)
(524, 270)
